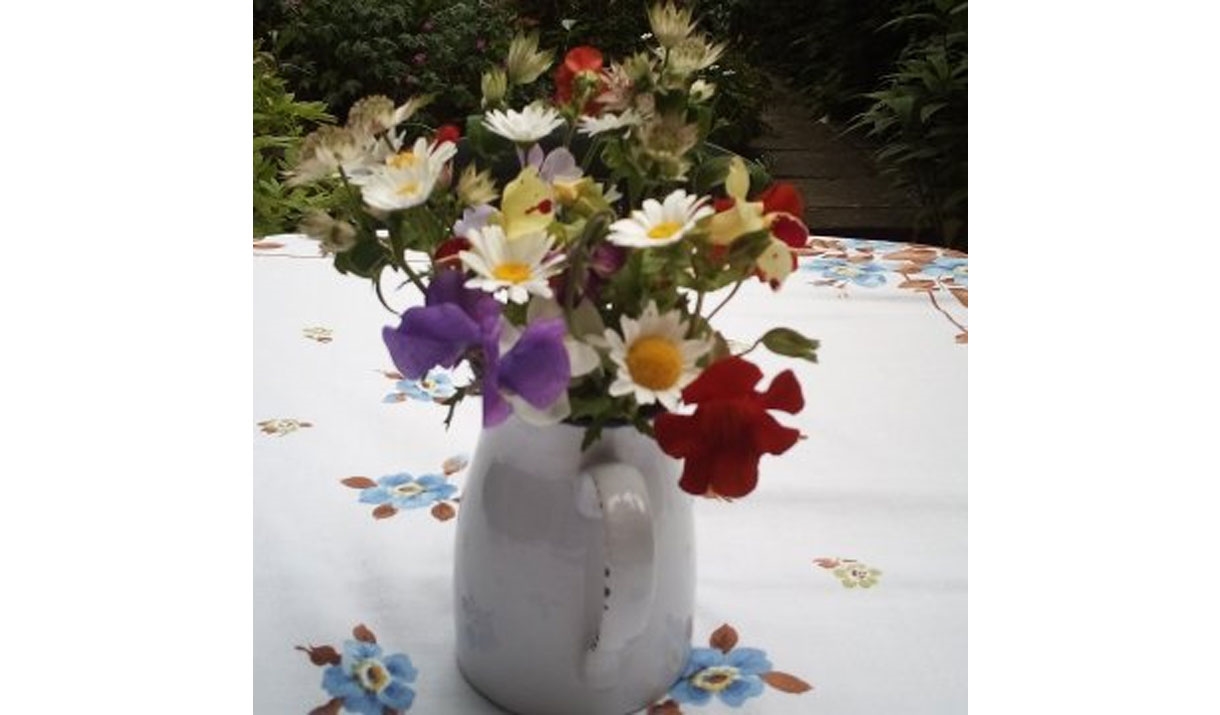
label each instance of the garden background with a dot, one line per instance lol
(861, 103)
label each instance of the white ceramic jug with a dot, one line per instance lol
(574, 575)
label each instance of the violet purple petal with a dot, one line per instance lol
(428, 337)
(537, 367)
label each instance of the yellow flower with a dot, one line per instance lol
(528, 204)
(494, 84)
(670, 24)
(525, 62)
(476, 187)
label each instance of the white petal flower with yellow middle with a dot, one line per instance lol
(654, 358)
(515, 269)
(408, 177)
(660, 223)
(591, 126)
(524, 127)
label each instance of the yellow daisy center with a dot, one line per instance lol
(654, 362)
(408, 188)
(373, 675)
(512, 271)
(716, 678)
(402, 160)
(664, 230)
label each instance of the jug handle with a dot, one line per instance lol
(627, 518)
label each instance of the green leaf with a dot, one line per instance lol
(788, 342)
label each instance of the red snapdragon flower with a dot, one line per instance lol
(579, 60)
(730, 430)
(448, 133)
(447, 252)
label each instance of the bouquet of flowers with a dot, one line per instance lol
(568, 251)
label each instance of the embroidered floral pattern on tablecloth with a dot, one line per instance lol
(851, 573)
(282, 426)
(436, 386)
(364, 679)
(393, 493)
(727, 673)
(319, 334)
(843, 262)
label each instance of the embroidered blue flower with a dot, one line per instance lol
(734, 676)
(367, 682)
(864, 273)
(402, 491)
(946, 267)
(436, 385)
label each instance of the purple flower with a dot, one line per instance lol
(480, 44)
(427, 26)
(536, 369)
(452, 320)
(455, 319)
(420, 58)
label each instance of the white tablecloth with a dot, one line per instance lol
(847, 566)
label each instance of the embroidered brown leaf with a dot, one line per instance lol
(826, 563)
(391, 374)
(332, 708)
(723, 638)
(861, 258)
(915, 255)
(918, 284)
(267, 245)
(359, 483)
(669, 707)
(785, 682)
(384, 511)
(305, 424)
(454, 464)
(955, 253)
(321, 655)
(962, 338)
(960, 294)
(362, 633)
(443, 511)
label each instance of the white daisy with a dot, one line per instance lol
(609, 122)
(653, 357)
(660, 224)
(407, 178)
(517, 268)
(524, 127)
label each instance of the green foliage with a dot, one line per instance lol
(829, 50)
(337, 51)
(279, 123)
(919, 114)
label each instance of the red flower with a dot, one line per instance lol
(783, 197)
(448, 251)
(448, 133)
(579, 60)
(730, 430)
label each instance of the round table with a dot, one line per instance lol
(846, 567)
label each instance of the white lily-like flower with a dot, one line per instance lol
(515, 269)
(670, 23)
(407, 178)
(660, 224)
(524, 127)
(654, 358)
(592, 126)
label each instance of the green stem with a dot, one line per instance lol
(727, 298)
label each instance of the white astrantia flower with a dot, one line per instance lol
(660, 224)
(515, 269)
(609, 122)
(524, 127)
(407, 178)
(654, 360)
